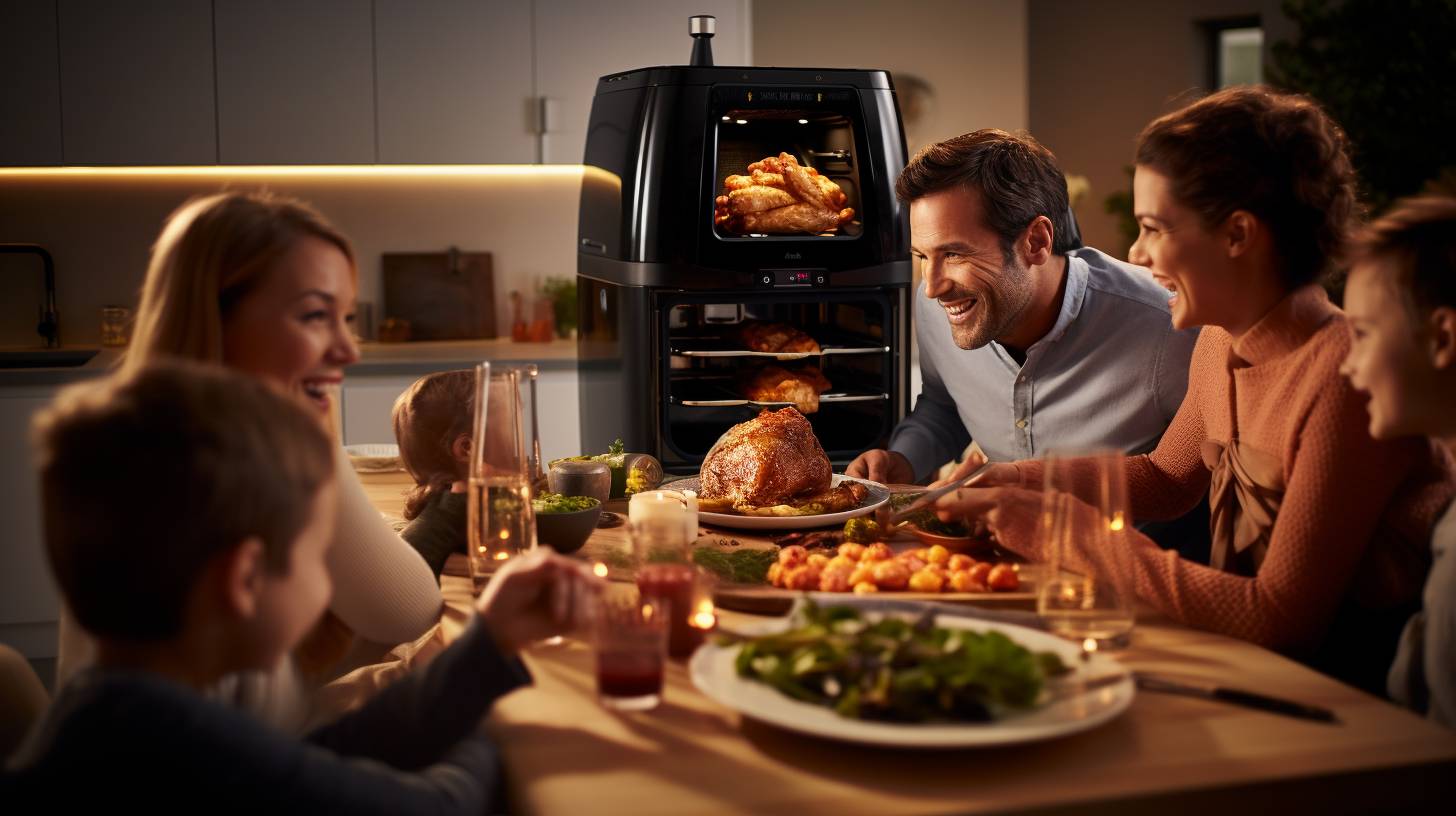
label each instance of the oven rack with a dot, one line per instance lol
(824, 399)
(827, 398)
(779, 355)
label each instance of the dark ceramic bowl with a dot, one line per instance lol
(566, 532)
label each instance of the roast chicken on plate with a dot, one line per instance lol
(771, 383)
(779, 196)
(777, 338)
(773, 465)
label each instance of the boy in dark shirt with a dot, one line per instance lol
(186, 522)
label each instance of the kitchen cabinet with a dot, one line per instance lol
(29, 602)
(136, 82)
(31, 92)
(454, 85)
(369, 400)
(295, 82)
(180, 82)
(578, 42)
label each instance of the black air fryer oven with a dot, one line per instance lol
(662, 287)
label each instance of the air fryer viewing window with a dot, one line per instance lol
(787, 164)
(827, 356)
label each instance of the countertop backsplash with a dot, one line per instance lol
(99, 227)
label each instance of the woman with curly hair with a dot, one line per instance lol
(1244, 200)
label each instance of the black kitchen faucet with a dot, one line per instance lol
(49, 327)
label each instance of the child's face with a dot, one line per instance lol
(290, 604)
(1386, 358)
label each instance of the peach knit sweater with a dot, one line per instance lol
(1356, 513)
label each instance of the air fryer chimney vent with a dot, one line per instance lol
(701, 27)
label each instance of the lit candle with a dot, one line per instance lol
(667, 507)
(704, 618)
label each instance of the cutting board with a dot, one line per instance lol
(443, 295)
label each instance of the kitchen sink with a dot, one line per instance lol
(46, 358)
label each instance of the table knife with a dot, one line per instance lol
(1234, 696)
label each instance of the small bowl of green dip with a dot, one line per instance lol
(564, 523)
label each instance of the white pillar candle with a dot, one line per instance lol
(653, 506)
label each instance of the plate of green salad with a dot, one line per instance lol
(911, 681)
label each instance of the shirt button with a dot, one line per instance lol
(1021, 379)
(1021, 423)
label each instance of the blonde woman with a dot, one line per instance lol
(264, 285)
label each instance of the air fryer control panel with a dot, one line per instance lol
(793, 278)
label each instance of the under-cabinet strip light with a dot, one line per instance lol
(362, 170)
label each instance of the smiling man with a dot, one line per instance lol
(1027, 342)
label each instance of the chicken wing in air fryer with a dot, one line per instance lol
(773, 383)
(780, 196)
(776, 338)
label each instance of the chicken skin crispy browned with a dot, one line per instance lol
(765, 461)
(774, 338)
(771, 383)
(780, 196)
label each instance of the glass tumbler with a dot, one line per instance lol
(630, 634)
(1084, 505)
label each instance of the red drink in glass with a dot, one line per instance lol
(631, 638)
(675, 586)
(629, 675)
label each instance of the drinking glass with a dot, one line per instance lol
(631, 640)
(529, 376)
(1085, 501)
(499, 514)
(666, 575)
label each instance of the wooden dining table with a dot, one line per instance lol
(565, 753)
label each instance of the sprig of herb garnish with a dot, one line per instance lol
(744, 566)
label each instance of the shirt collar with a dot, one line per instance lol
(1072, 298)
(1287, 326)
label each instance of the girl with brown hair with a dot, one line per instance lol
(432, 423)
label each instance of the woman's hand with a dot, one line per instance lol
(1001, 473)
(1009, 512)
(537, 595)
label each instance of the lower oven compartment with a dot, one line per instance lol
(706, 367)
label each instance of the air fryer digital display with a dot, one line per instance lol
(787, 164)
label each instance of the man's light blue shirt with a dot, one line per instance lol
(1112, 371)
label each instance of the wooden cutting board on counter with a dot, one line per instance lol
(444, 295)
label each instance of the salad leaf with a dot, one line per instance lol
(895, 669)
